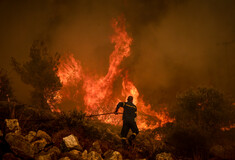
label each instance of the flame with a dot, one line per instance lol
(231, 125)
(147, 118)
(228, 128)
(158, 137)
(97, 93)
(70, 70)
(98, 90)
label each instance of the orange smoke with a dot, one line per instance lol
(98, 94)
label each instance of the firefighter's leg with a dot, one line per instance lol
(124, 132)
(135, 131)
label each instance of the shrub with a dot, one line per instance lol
(199, 115)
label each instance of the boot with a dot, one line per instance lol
(124, 144)
(130, 139)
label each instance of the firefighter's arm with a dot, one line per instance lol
(120, 104)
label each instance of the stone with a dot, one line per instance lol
(71, 142)
(164, 156)
(41, 134)
(43, 157)
(51, 154)
(31, 136)
(84, 155)
(12, 125)
(10, 156)
(96, 147)
(19, 145)
(112, 155)
(94, 156)
(65, 158)
(39, 145)
(55, 150)
(75, 154)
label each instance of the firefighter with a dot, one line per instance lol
(129, 120)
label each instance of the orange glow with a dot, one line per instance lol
(228, 128)
(147, 118)
(70, 70)
(158, 137)
(98, 94)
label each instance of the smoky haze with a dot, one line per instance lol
(176, 44)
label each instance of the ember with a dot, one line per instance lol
(98, 94)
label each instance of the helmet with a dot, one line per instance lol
(130, 99)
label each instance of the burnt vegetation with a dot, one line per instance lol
(201, 116)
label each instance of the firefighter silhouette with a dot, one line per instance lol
(129, 122)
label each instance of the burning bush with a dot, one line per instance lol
(200, 114)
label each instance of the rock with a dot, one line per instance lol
(43, 157)
(71, 142)
(51, 154)
(55, 150)
(112, 155)
(96, 147)
(41, 134)
(65, 158)
(12, 125)
(218, 151)
(31, 136)
(39, 145)
(75, 154)
(164, 156)
(19, 145)
(84, 155)
(1, 134)
(94, 156)
(10, 156)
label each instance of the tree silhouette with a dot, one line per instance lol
(41, 73)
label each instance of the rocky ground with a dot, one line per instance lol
(39, 134)
(39, 146)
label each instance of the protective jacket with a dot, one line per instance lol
(130, 110)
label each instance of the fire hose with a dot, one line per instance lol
(93, 115)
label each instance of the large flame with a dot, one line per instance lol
(96, 96)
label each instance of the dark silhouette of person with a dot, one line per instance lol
(129, 122)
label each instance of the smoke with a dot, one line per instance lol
(186, 48)
(176, 44)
